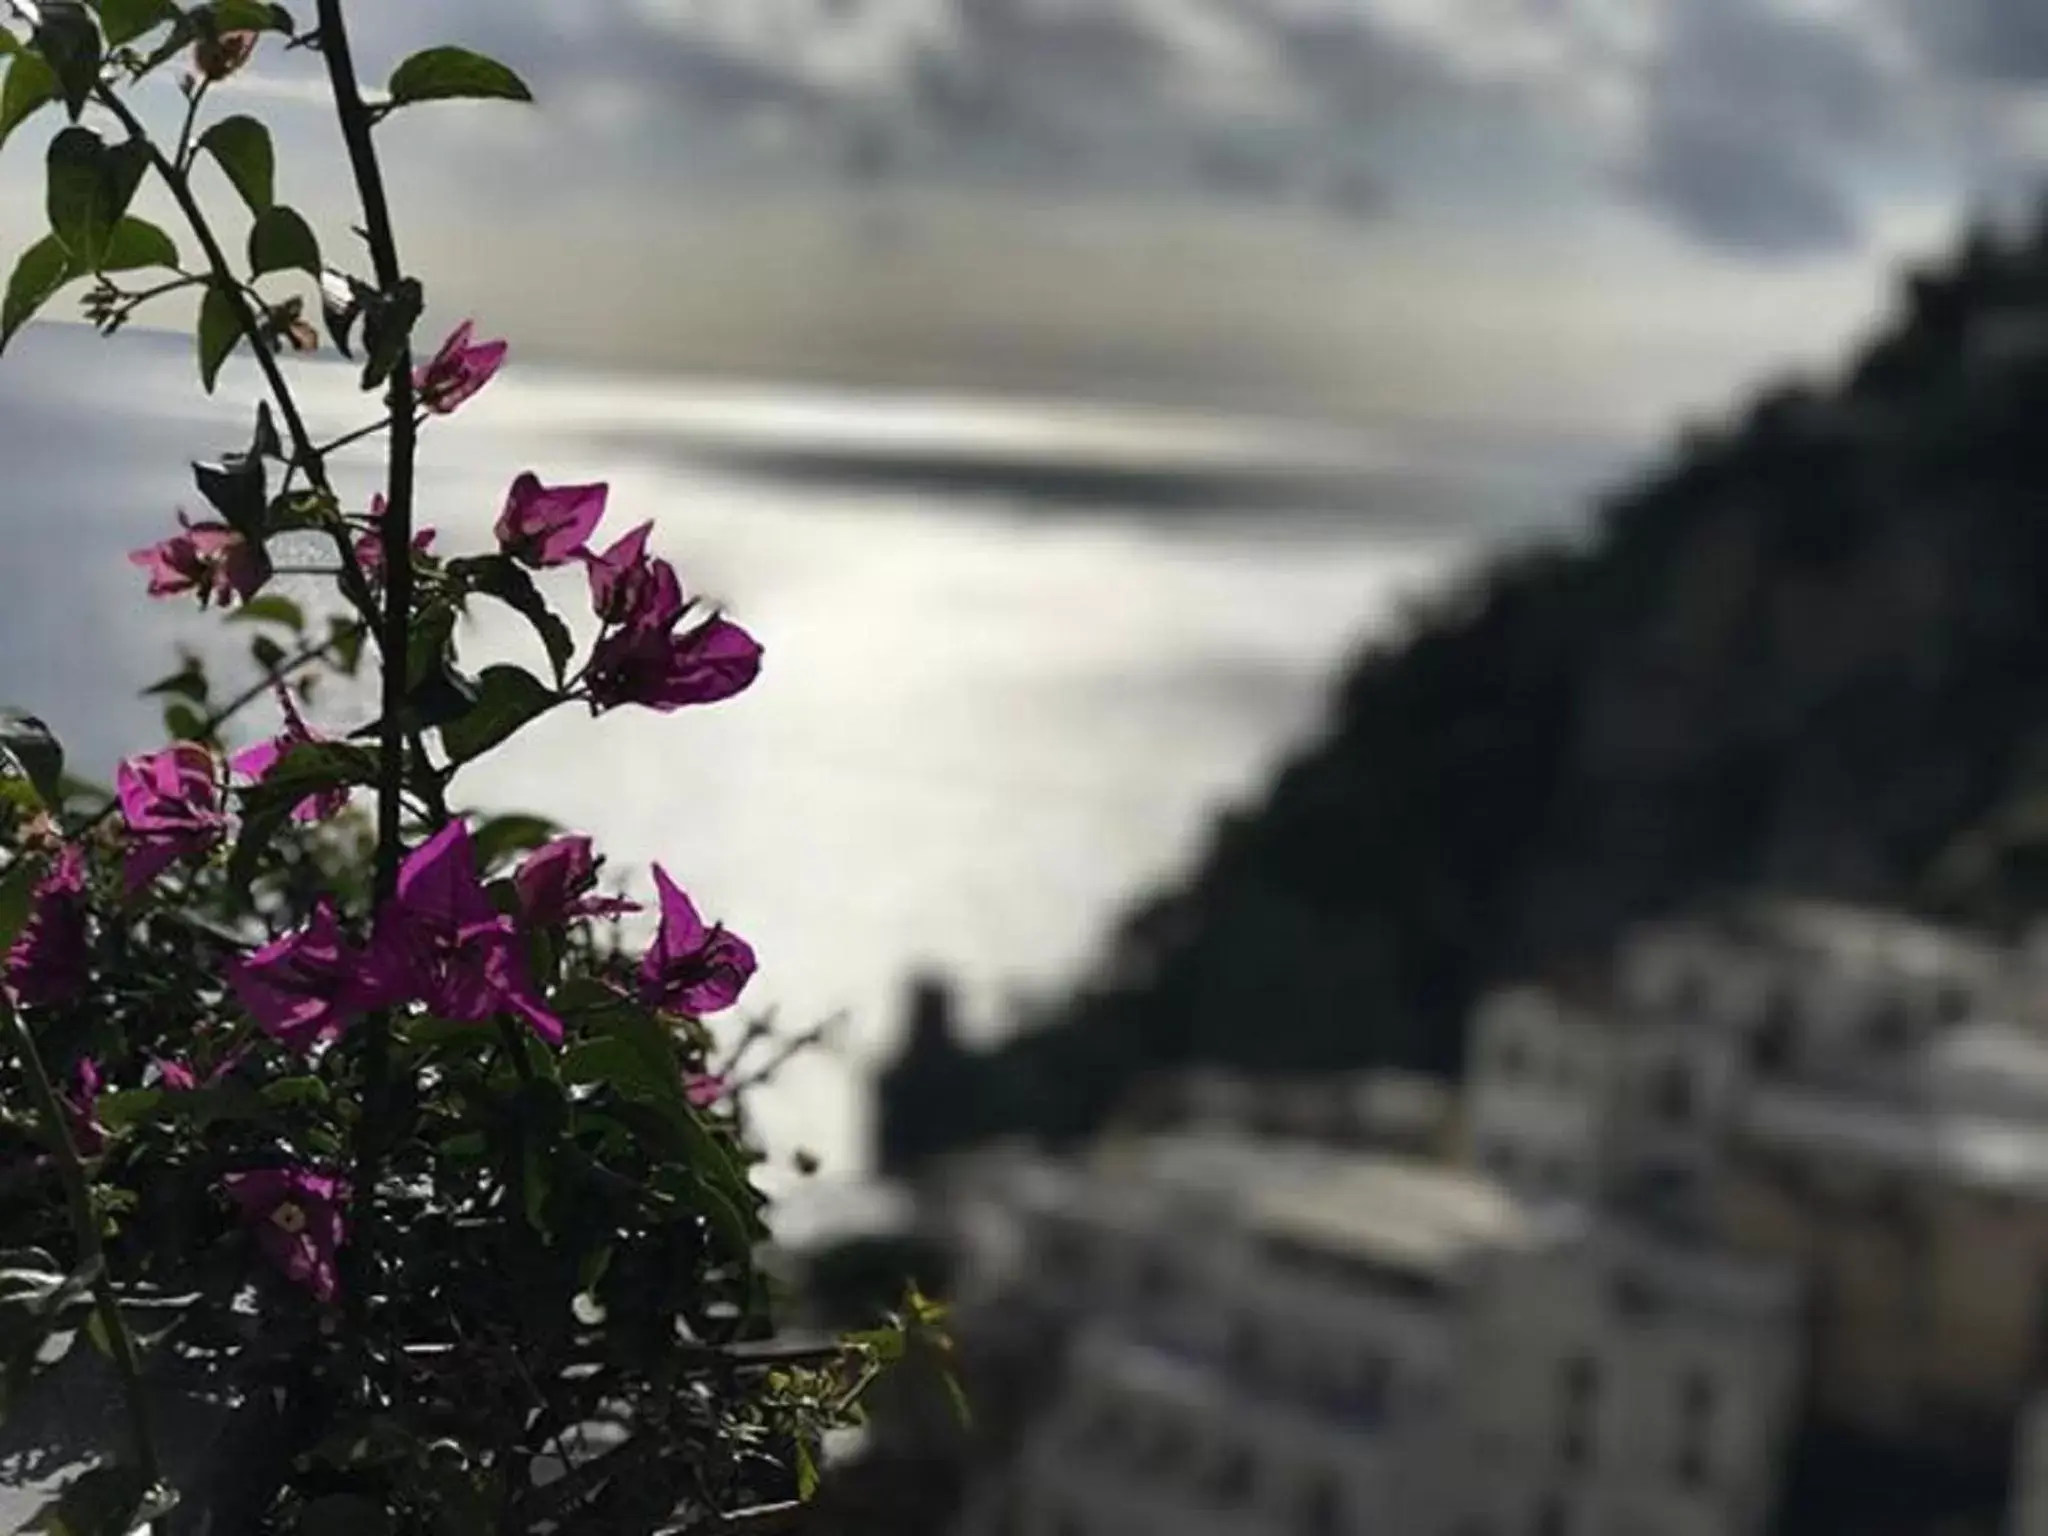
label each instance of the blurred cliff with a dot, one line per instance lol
(1811, 654)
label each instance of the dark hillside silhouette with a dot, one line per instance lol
(1810, 653)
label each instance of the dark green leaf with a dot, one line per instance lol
(281, 241)
(446, 74)
(31, 86)
(184, 723)
(137, 1106)
(245, 16)
(266, 444)
(27, 742)
(125, 20)
(430, 645)
(17, 899)
(107, 1501)
(502, 835)
(344, 1514)
(237, 488)
(388, 320)
(295, 1090)
(232, 1101)
(341, 305)
(44, 268)
(188, 682)
(267, 654)
(69, 40)
(220, 327)
(242, 147)
(90, 187)
(137, 243)
(271, 609)
(507, 699)
(348, 637)
(499, 576)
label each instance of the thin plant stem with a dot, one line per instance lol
(91, 1253)
(347, 439)
(356, 130)
(183, 158)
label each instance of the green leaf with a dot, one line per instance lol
(27, 742)
(241, 146)
(69, 40)
(806, 1471)
(281, 241)
(501, 577)
(220, 327)
(271, 609)
(44, 268)
(125, 20)
(137, 243)
(31, 86)
(388, 320)
(237, 488)
(184, 723)
(90, 186)
(17, 898)
(136, 1106)
(507, 699)
(447, 74)
(188, 682)
(287, 1091)
(245, 16)
(107, 1501)
(502, 835)
(266, 444)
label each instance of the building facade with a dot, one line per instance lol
(1281, 1338)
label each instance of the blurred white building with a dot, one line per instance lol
(1776, 1167)
(1286, 1338)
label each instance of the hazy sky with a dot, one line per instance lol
(1579, 215)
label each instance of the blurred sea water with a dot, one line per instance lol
(1018, 652)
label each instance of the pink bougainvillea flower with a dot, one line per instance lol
(208, 558)
(549, 525)
(667, 672)
(704, 1089)
(458, 370)
(296, 1215)
(439, 941)
(691, 968)
(81, 1109)
(633, 590)
(176, 1077)
(557, 882)
(170, 803)
(49, 961)
(305, 987)
(255, 763)
(370, 547)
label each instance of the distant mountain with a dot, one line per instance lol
(1810, 654)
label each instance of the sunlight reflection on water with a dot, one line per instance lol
(984, 726)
